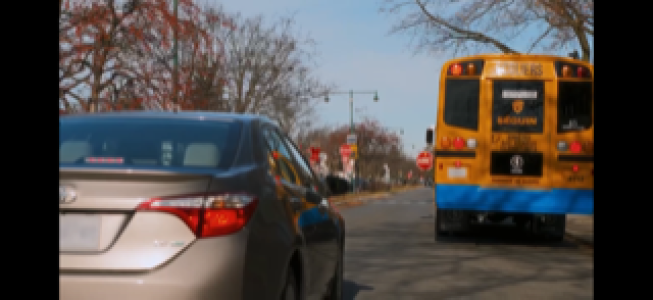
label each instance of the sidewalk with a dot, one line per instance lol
(581, 227)
(360, 198)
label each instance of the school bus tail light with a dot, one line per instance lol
(458, 143)
(457, 164)
(574, 168)
(575, 147)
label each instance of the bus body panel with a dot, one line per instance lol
(567, 181)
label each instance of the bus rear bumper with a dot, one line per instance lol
(553, 201)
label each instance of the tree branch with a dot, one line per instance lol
(472, 35)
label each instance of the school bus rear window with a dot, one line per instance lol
(574, 106)
(461, 100)
(518, 106)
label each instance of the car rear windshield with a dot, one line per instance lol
(148, 143)
(461, 100)
(574, 106)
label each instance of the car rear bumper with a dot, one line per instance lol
(209, 269)
(554, 201)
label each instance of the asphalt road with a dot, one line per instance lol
(391, 253)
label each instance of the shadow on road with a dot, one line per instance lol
(350, 289)
(502, 234)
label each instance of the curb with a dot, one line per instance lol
(358, 198)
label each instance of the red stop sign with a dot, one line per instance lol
(424, 160)
(315, 154)
(345, 150)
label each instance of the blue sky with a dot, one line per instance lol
(356, 52)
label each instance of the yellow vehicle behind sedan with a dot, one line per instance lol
(514, 139)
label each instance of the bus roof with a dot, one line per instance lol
(519, 56)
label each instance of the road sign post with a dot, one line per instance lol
(425, 160)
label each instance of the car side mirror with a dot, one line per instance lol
(313, 197)
(337, 185)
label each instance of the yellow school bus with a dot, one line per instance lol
(513, 140)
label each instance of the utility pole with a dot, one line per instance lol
(175, 70)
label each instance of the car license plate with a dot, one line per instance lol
(457, 172)
(78, 232)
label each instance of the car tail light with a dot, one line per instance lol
(207, 215)
(575, 147)
(458, 143)
(445, 143)
(579, 72)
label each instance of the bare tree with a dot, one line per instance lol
(260, 59)
(109, 47)
(267, 70)
(481, 25)
(120, 53)
(293, 106)
(91, 42)
(376, 145)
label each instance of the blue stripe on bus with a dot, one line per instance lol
(473, 197)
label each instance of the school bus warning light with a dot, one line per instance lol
(456, 69)
(445, 143)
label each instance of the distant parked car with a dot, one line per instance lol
(338, 184)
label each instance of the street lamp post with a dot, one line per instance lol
(351, 110)
(351, 103)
